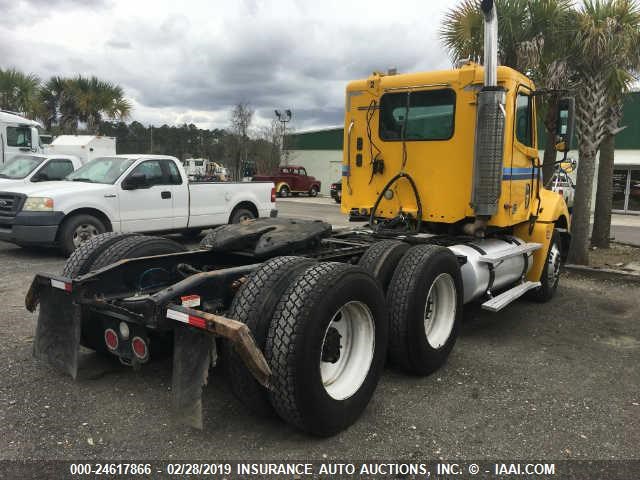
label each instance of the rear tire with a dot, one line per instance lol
(127, 246)
(241, 215)
(425, 305)
(78, 229)
(284, 191)
(82, 258)
(326, 347)
(254, 305)
(136, 246)
(550, 276)
(382, 258)
(313, 192)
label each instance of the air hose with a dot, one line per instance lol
(387, 186)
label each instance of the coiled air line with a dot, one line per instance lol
(401, 174)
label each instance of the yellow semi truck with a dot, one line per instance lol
(444, 168)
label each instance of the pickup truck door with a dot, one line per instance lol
(149, 207)
(180, 191)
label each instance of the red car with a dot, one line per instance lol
(292, 180)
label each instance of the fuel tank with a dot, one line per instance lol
(479, 277)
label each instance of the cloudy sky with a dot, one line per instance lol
(192, 60)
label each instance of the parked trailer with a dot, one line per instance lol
(306, 317)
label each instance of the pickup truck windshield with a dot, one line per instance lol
(101, 170)
(20, 166)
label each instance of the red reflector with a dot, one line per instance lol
(560, 191)
(139, 348)
(273, 195)
(111, 339)
(197, 322)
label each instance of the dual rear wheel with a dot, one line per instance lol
(324, 329)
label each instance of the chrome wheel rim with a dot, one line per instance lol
(347, 350)
(440, 310)
(84, 232)
(553, 265)
(245, 218)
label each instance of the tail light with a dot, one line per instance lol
(273, 195)
(111, 339)
(560, 192)
(139, 348)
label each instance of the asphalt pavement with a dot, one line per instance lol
(552, 381)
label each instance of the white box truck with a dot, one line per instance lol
(85, 147)
(18, 135)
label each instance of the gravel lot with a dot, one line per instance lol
(554, 381)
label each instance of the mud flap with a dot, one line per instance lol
(57, 337)
(191, 361)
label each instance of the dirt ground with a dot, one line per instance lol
(552, 381)
(618, 256)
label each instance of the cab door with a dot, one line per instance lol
(524, 173)
(149, 206)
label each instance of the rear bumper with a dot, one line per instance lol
(32, 228)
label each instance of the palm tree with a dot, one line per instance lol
(19, 92)
(627, 14)
(57, 104)
(533, 39)
(96, 99)
(606, 30)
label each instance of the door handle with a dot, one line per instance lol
(165, 194)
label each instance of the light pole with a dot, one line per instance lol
(283, 118)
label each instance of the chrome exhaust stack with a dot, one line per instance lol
(490, 43)
(490, 127)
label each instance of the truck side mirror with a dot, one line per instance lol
(565, 123)
(135, 181)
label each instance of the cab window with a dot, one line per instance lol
(152, 170)
(54, 170)
(19, 137)
(524, 115)
(425, 115)
(174, 173)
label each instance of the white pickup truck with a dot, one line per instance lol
(126, 193)
(27, 169)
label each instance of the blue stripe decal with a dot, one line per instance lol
(519, 173)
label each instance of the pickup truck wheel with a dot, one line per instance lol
(241, 215)
(326, 347)
(77, 229)
(126, 246)
(284, 191)
(254, 305)
(550, 273)
(425, 305)
(382, 258)
(313, 192)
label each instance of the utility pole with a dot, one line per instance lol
(283, 118)
(151, 145)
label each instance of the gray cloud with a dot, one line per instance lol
(196, 63)
(120, 44)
